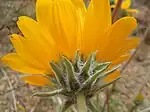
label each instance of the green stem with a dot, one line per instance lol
(81, 103)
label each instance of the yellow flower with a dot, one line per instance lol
(126, 6)
(63, 26)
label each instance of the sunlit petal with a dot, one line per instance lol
(97, 20)
(37, 80)
(15, 62)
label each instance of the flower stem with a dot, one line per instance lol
(116, 10)
(81, 103)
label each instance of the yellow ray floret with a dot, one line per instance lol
(126, 6)
(61, 28)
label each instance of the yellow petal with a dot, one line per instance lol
(44, 10)
(48, 16)
(116, 35)
(121, 30)
(32, 31)
(125, 47)
(41, 41)
(125, 4)
(133, 11)
(81, 11)
(14, 61)
(22, 50)
(67, 23)
(97, 20)
(112, 77)
(45, 18)
(120, 60)
(129, 44)
(37, 56)
(79, 4)
(37, 80)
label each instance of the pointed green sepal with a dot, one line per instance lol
(105, 85)
(93, 78)
(72, 79)
(88, 64)
(77, 57)
(48, 94)
(78, 63)
(58, 73)
(69, 69)
(101, 65)
(105, 74)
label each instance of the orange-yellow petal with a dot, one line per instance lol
(37, 80)
(120, 59)
(46, 19)
(67, 23)
(37, 56)
(112, 77)
(62, 22)
(15, 62)
(132, 11)
(81, 11)
(32, 31)
(80, 6)
(97, 20)
(116, 35)
(44, 10)
(24, 53)
(128, 45)
(125, 47)
(125, 4)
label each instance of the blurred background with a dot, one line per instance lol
(15, 95)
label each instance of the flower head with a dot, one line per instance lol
(61, 28)
(126, 6)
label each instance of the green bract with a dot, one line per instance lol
(79, 78)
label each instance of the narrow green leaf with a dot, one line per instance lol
(94, 77)
(78, 63)
(72, 79)
(58, 72)
(48, 94)
(101, 65)
(69, 69)
(88, 64)
(77, 57)
(105, 74)
(105, 85)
